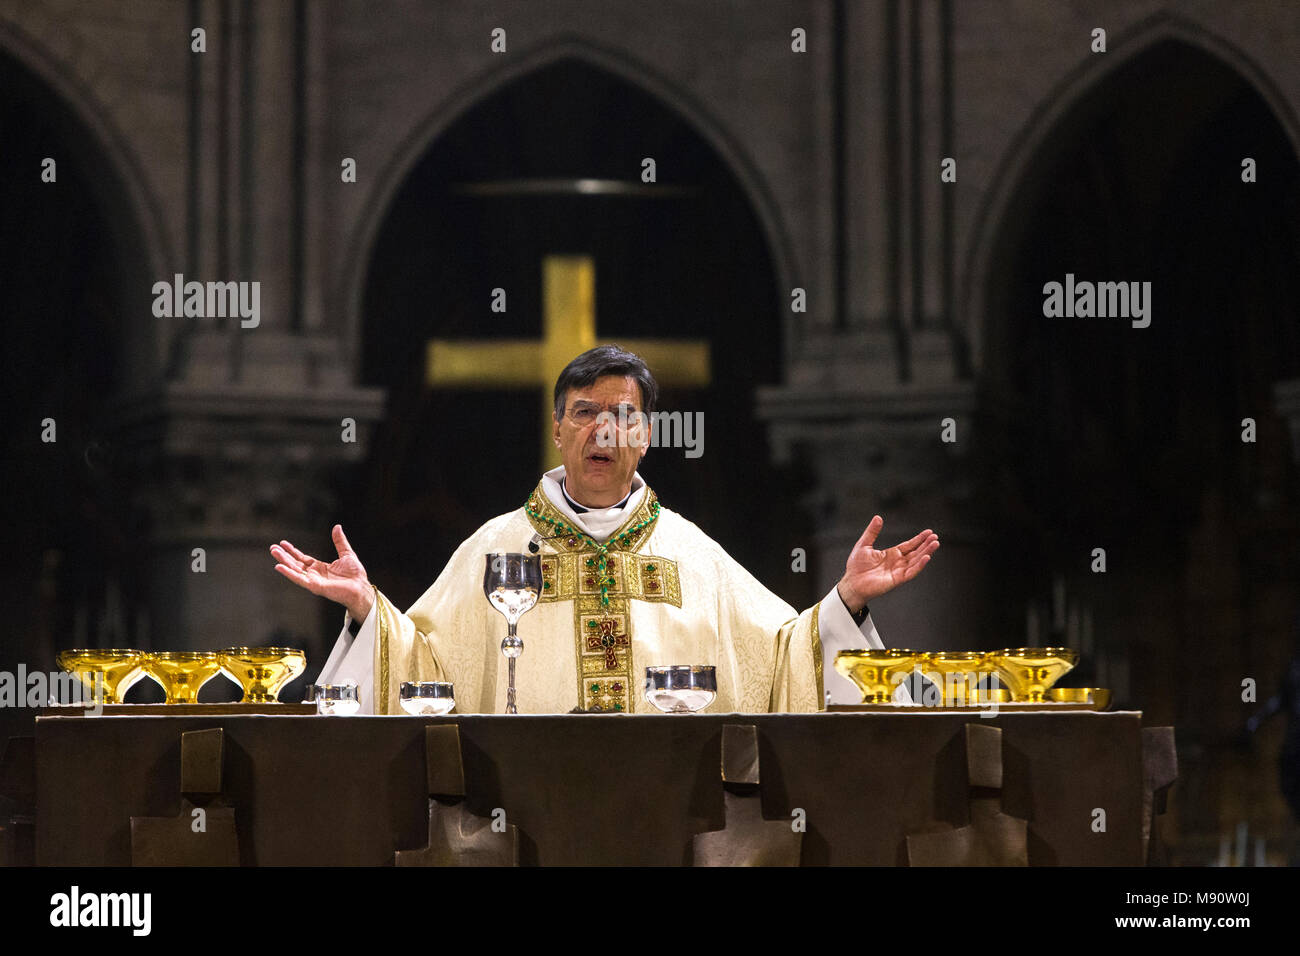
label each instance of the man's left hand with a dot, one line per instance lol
(870, 572)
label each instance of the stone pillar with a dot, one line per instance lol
(879, 451)
(240, 444)
(232, 468)
(863, 404)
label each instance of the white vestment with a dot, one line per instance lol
(445, 644)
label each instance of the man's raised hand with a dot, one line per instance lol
(869, 572)
(343, 580)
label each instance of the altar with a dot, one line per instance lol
(925, 787)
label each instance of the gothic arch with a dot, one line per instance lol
(1026, 147)
(421, 138)
(67, 69)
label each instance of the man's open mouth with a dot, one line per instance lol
(600, 457)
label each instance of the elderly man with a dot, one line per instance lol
(626, 583)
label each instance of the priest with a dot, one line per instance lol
(627, 583)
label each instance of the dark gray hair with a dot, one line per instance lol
(604, 360)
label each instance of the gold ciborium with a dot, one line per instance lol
(874, 670)
(959, 675)
(121, 667)
(1098, 697)
(262, 671)
(182, 673)
(1031, 671)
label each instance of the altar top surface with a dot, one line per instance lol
(173, 712)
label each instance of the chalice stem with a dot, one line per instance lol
(512, 647)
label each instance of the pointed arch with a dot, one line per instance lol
(1027, 146)
(463, 100)
(120, 185)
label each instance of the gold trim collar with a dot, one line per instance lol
(553, 524)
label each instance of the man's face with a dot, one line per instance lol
(599, 460)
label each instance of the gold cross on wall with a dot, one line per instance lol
(568, 329)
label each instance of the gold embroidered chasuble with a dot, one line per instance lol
(671, 595)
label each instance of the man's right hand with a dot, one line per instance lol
(343, 580)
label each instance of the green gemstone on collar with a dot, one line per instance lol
(602, 549)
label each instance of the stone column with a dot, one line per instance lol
(865, 399)
(880, 451)
(241, 442)
(232, 469)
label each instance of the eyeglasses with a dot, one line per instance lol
(620, 417)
